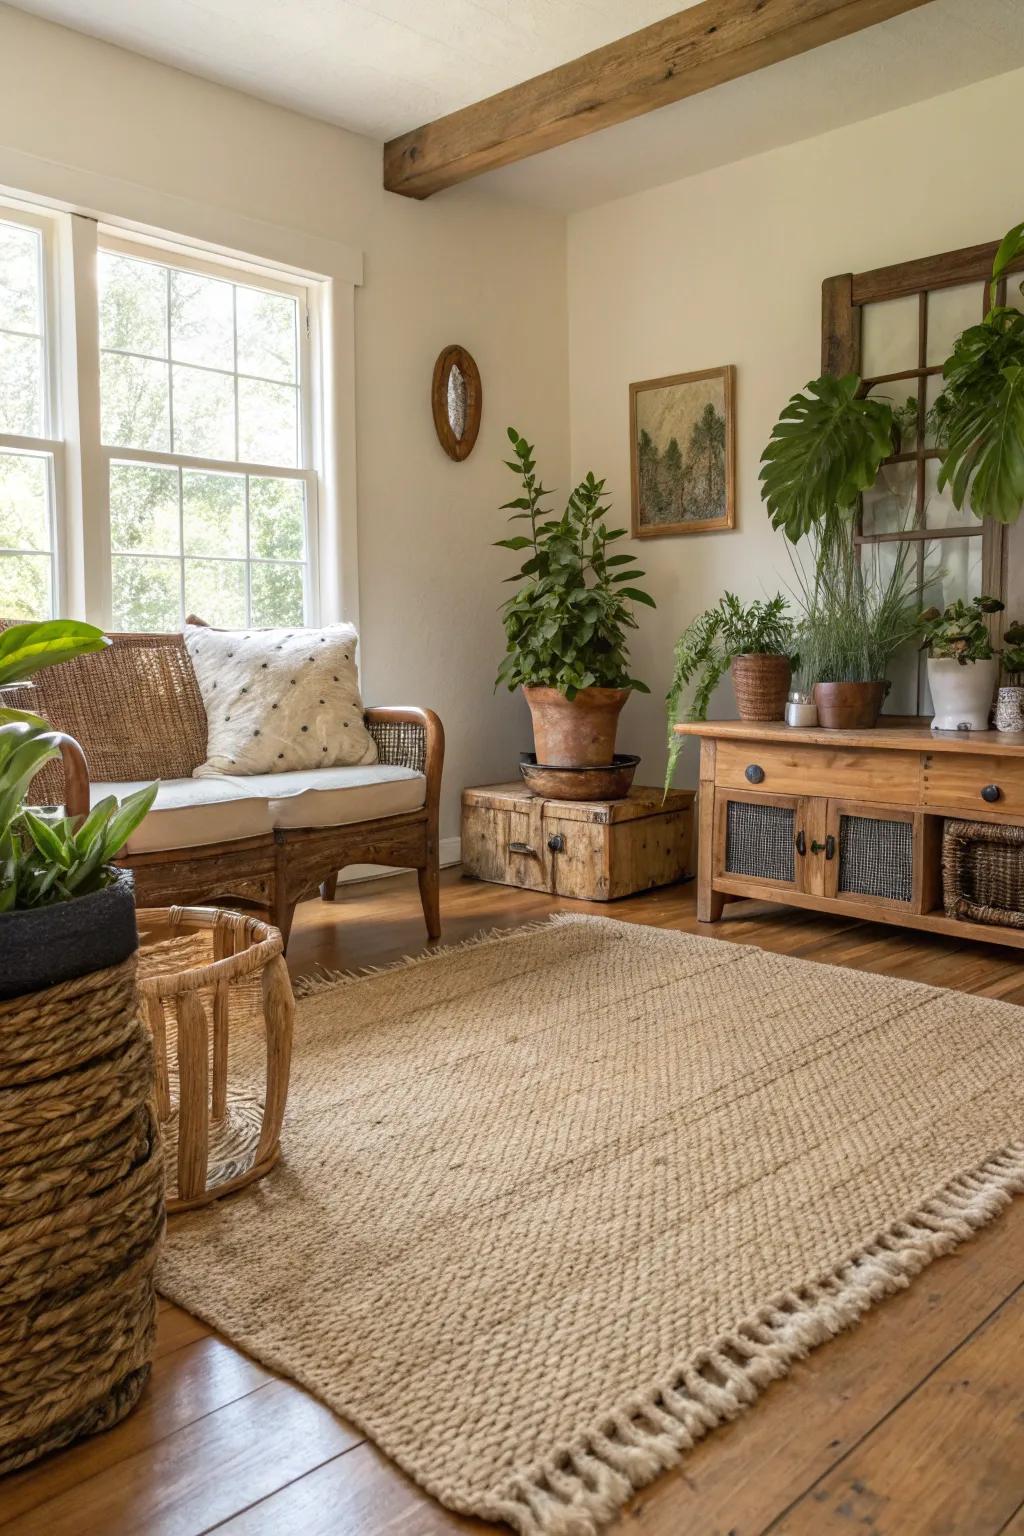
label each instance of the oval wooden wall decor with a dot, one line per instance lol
(456, 399)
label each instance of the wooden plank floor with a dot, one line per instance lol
(910, 1425)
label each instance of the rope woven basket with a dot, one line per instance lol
(761, 683)
(81, 1211)
(983, 872)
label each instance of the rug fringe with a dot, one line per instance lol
(323, 980)
(586, 1483)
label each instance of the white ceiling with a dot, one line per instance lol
(375, 66)
(380, 67)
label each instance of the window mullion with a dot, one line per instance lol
(85, 513)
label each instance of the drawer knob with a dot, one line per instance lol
(754, 773)
(991, 793)
(556, 842)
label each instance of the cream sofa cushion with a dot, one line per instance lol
(277, 700)
(333, 797)
(190, 812)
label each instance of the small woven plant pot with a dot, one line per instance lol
(81, 1210)
(761, 683)
(983, 872)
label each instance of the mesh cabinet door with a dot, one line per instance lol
(760, 841)
(875, 857)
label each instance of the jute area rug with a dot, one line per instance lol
(554, 1206)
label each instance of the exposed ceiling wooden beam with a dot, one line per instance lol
(689, 52)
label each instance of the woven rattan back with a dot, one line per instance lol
(135, 707)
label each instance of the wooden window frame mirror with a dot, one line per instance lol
(457, 446)
(844, 298)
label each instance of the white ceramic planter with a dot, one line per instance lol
(1010, 709)
(961, 695)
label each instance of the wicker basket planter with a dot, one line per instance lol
(983, 872)
(81, 1204)
(761, 683)
(206, 976)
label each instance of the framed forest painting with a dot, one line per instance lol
(682, 446)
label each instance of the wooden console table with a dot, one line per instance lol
(847, 821)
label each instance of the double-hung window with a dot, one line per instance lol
(194, 434)
(30, 450)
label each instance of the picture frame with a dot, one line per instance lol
(682, 436)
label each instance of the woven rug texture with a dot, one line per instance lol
(554, 1205)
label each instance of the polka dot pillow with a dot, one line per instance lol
(279, 699)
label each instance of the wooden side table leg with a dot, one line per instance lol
(709, 902)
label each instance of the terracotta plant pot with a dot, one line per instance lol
(761, 683)
(576, 734)
(849, 706)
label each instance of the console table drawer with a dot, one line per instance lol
(891, 778)
(957, 780)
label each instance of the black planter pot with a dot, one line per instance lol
(51, 944)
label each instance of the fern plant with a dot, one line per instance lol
(705, 650)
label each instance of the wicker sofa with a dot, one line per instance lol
(272, 839)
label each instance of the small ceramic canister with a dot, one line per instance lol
(801, 709)
(1010, 709)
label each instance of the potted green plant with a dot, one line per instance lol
(751, 641)
(854, 618)
(82, 1166)
(64, 908)
(1010, 698)
(962, 664)
(565, 626)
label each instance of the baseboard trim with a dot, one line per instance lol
(450, 851)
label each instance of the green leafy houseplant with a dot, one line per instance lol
(49, 859)
(830, 440)
(708, 646)
(959, 633)
(565, 627)
(980, 412)
(1013, 656)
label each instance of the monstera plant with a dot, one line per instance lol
(830, 440)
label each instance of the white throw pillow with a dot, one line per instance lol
(279, 699)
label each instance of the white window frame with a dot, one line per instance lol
(97, 529)
(49, 446)
(74, 205)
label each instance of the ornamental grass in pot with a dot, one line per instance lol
(80, 1163)
(855, 617)
(565, 626)
(963, 668)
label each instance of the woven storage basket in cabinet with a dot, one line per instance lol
(593, 850)
(983, 872)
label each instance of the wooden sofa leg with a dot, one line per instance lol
(329, 887)
(430, 896)
(281, 914)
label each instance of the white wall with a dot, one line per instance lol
(458, 268)
(727, 268)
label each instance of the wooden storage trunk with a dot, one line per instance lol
(594, 850)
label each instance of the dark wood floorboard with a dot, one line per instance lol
(909, 1425)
